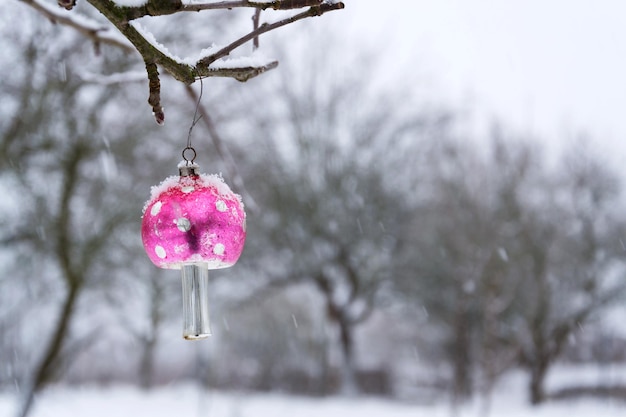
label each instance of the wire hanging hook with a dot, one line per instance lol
(186, 151)
(194, 121)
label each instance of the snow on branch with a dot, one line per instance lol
(210, 63)
(261, 5)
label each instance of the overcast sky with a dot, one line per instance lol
(550, 67)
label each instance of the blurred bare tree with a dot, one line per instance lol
(72, 206)
(512, 258)
(570, 256)
(325, 174)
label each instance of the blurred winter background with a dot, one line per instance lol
(435, 216)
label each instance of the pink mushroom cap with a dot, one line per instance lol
(193, 219)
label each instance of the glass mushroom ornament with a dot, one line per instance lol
(194, 222)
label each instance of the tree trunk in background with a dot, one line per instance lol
(150, 340)
(462, 384)
(324, 377)
(538, 374)
(348, 379)
(49, 364)
(539, 358)
(146, 364)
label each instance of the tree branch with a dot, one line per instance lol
(264, 28)
(242, 74)
(163, 8)
(255, 25)
(150, 52)
(154, 54)
(275, 5)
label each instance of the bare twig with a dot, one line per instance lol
(153, 55)
(275, 5)
(255, 25)
(240, 74)
(155, 92)
(264, 28)
(67, 4)
(91, 29)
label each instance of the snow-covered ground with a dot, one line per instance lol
(192, 401)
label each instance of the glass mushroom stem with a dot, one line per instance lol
(195, 279)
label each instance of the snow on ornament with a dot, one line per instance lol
(194, 222)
